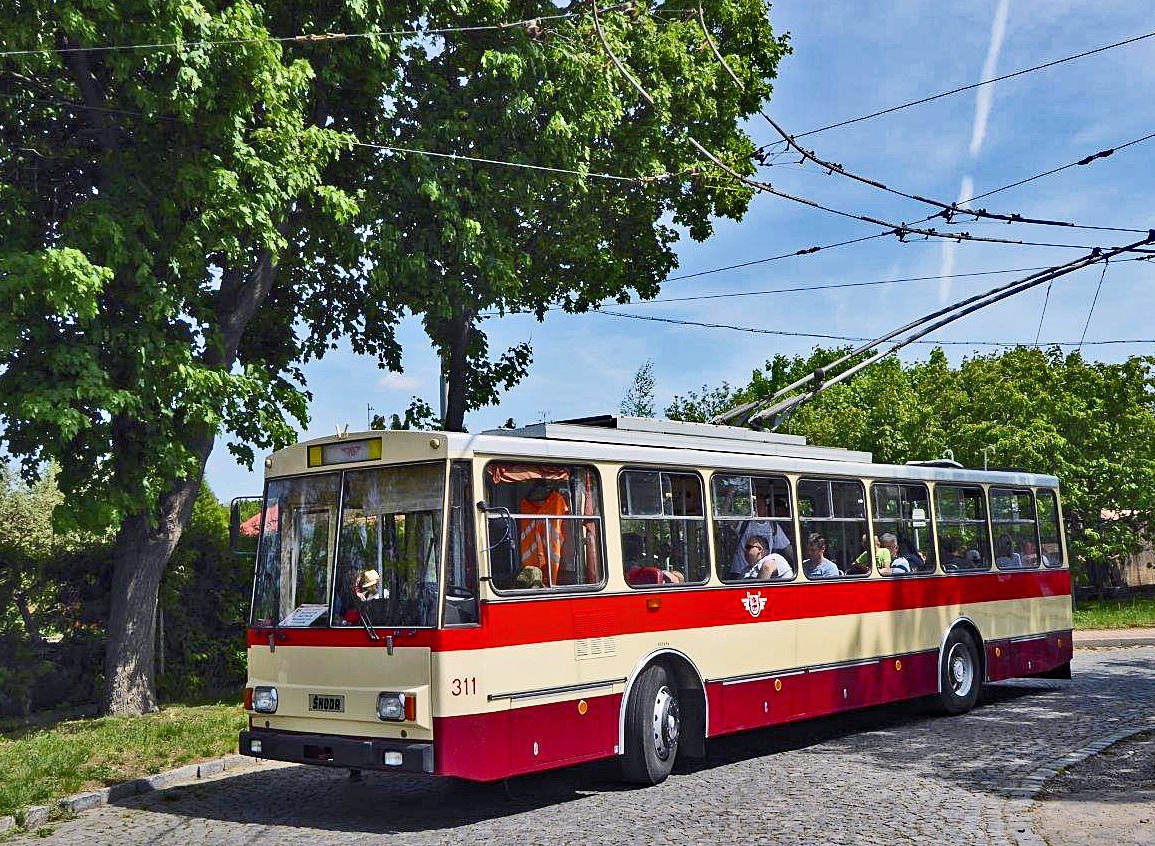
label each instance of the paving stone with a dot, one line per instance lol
(35, 816)
(892, 775)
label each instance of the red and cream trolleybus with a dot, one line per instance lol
(485, 605)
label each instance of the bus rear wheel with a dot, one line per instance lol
(959, 675)
(653, 723)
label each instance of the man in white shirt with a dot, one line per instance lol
(770, 530)
(763, 564)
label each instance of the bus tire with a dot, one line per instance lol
(960, 673)
(653, 723)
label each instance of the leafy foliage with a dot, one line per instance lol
(460, 240)
(59, 590)
(1091, 424)
(639, 399)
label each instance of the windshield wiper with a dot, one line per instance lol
(367, 624)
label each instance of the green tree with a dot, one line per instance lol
(28, 543)
(639, 399)
(1089, 423)
(462, 240)
(178, 232)
(204, 604)
(181, 228)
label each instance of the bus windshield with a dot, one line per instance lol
(387, 536)
(389, 546)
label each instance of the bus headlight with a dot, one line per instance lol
(265, 700)
(397, 707)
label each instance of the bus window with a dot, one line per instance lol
(549, 534)
(1050, 545)
(663, 528)
(1016, 534)
(292, 571)
(902, 525)
(832, 514)
(752, 507)
(461, 551)
(961, 522)
(391, 529)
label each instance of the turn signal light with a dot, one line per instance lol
(248, 699)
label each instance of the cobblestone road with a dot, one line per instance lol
(891, 775)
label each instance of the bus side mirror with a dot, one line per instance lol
(245, 523)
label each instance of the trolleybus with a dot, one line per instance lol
(486, 605)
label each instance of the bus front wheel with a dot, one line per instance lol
(960, 673)
(653, 723)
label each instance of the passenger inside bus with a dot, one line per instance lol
(528, 578)
(861, 565)
(903, 559)
(763, 564)
(1005, 555)
(770, 530)
(952, 556)
(817, 565)
(642, 569)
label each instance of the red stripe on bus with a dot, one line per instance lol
(560, 618)
(490, 746)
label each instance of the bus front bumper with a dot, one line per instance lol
(327, 750)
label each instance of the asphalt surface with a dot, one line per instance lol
(891, 775)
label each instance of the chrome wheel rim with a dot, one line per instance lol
(960, 670)
(666, 722)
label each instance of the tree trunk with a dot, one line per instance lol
(26, 615)
(459, 331)
(143, 545)
(139, 557)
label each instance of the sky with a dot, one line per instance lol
(849, 59)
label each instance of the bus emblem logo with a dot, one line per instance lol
(754, 603)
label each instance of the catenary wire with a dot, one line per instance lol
(858, 339)
(310, 38)
(1094, 300)
(979, 84)
(946, 210)
(502, 163)
(1043, 313)
(901, 230)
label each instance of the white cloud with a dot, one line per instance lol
(985, 96)
(398, 382)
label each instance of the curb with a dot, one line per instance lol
(35, 816)
(1020, 799)
(1110, 642)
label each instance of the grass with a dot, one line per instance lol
(41, 765)
(1136, 611)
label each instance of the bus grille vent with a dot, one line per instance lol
(595, 647)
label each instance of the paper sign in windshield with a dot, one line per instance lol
(304, 615)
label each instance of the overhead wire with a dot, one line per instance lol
(978, 84)
(1043, 313)
(900, 230)
(1094, 300)
(783, 402)
(946, 210)
(523, 165)
(1084, 161)
(852, 338)
(305, 38)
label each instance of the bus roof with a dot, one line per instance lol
(633, 440)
